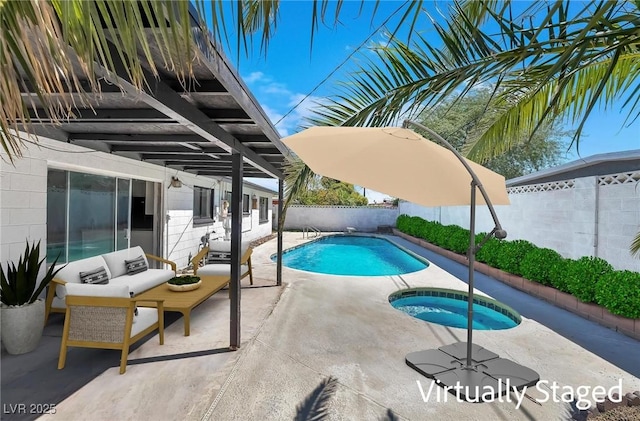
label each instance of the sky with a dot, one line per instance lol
(291, 70)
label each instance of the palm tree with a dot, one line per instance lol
(552, 59)
(57, 46)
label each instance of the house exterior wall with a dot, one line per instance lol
(23, 197)
(337, 218)
(588, 216)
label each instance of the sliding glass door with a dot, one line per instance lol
(92, 200)
(87, 214)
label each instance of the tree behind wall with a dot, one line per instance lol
(462, 121)
(327, 191)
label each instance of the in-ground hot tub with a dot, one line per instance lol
(448, 307)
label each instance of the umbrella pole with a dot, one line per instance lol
(471, 254)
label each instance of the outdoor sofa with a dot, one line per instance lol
(122, 267)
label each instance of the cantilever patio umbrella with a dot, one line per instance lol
(400, 162)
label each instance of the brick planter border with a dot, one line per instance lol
(589, 311)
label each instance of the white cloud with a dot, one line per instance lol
(275, 89)
(276, 98)
(253, 77)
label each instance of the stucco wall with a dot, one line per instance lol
(23, 197)
(589, 216)
(337, 218)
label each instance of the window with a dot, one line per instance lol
(264, 210)
(245, 204)
(202, 205)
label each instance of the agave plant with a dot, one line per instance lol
(20, 283)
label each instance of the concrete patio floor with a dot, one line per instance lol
(314, 327)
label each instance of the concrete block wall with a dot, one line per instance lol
(252, 228)
(23, 206)
(588, 219)
(337, 218)
(618, 221)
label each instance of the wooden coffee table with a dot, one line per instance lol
(183, 301)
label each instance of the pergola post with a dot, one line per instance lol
(236, 245)
(280, 229)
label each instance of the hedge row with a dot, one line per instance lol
(590, 279)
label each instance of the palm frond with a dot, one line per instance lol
(390, 416)
(606, 81)
(597, 56)
(298, 176)
(635, 246)
(54, 46)
(315, 406)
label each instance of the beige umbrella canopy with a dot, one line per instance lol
(395, 161)
(399, 162)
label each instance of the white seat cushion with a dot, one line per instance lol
(120, 291)
(220, 245)
(143, 281)
(225, 246)
(145, 318)
(220, 270)
(115, 260)
(71, 272)
(59, 303)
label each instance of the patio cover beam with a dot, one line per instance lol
(137, 138)
(85, 115)
(226, 173)
(160, 96)
(200, 149)
(202, 87)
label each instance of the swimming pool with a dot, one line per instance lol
(448, 307)
(352, 255)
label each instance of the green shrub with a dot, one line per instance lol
(619, 292)
(401, 222)
(558, 274)
(511, 255)
(408, 224)
(434, 233)
(536, 264)
(458, 241)
(584, 274)
(588, 278)
(490, 252)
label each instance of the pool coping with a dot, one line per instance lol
(483, 301)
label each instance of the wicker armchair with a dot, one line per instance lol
(107, 321)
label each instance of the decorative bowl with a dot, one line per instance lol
(185, 287)
(184, 283)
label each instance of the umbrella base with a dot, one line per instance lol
(488, 377)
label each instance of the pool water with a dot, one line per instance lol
(352, 255)
(453, 312)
